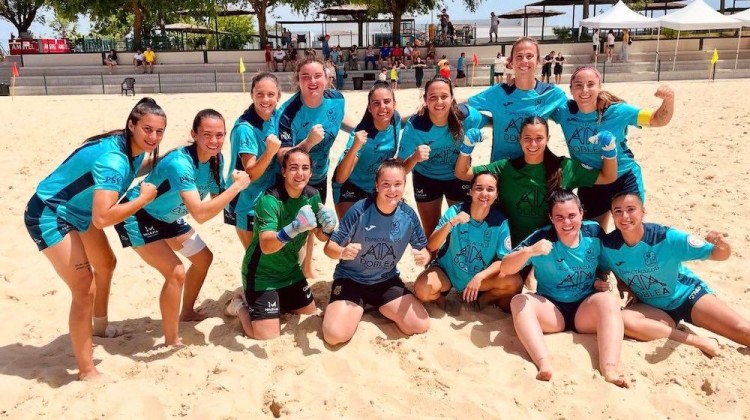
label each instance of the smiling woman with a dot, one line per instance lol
(158, 231)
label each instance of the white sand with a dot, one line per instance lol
(469, 365)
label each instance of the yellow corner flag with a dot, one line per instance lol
(242, 74)
(715, 57)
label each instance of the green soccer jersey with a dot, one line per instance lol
(523, 191)
(274, 210)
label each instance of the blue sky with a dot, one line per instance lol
(456, 10)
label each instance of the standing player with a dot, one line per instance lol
(369, 243)
(158, 231)
(254, 147)
(470, 240)
(272, 276)
(565, 258)
(430, 145)
(373, 141)
(647, 258)
(594, 110)
(511, 104)
(72, 205)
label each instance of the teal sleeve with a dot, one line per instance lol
(408, 144)
(110, 172)
(448, 215)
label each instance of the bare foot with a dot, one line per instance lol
(192, 316)
(91, 375)
(709, 346)
(176, 343)
(545, 370)
(613, 376)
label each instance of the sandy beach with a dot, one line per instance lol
(470, 364)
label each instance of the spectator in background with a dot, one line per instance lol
(500, 64)
(408, 51)
(385, 55)
(149, 59)
(383, 75)
(325, 47)
(547, 66)
(419, 66)
(595, 45)
(340, 74)
(397, 53)
(559, 60)
(291, 56)
(445, 68)
(286, 37)
(370, 57)
(336, 54)
(431, 54)
(138, 60)
(461, 69)
(111, 60)
(279, 57)
(625, 48)
(330, 70)
(494, 23)
(444, 21)
(269, 57)
(610, 45)
(353, 59)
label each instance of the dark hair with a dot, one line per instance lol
(264, 75)
(293, 150)
(214, 160)
(455, 116)
(146, 106)
(302, 63)
(623, 194)
(521, 40)
(561, 195)
(388, 164)
(376, 86)
(604, 99)
(552, 163)
(492, 174)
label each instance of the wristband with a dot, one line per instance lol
(283, 237)
(466, 150)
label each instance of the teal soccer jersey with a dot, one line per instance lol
(579, 127)
(444, 148)
(380, 146)
(471, 247)
(179, 171)
(96, 165)
(653, 268)
(249, 137)
(566, 274)
(383, 237)
(509, 106)
(296, 119)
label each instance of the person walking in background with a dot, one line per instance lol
(461, 69)
(500, 63)
(326, 48)
(494, 23)
(419, 66)
(559, 60)
(625, 48)
(595, 45)
(610, 45)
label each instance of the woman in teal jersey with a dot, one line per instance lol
(254, 147)
(471, 239)
(369, 243)
(71, 207)
(374, 140)
(525, 182)
(647, 260)
(157, 232)
(565, 257)
(593, 110)
(510, 105)
(429, 148)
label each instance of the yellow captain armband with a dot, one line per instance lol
(644, 117)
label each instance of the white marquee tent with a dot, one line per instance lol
(696, 16)
(743, 16)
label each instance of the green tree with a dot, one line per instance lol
(21, 13)
(65, 27)
(238, 31)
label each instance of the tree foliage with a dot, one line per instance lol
(21, 13)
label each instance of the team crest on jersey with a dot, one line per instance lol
(395, 229)
(507, 244)
(590, 256)
(650, 258)
(695, 241)
(331, 115)
(337, 290)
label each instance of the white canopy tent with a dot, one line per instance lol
(696, 16)
(743, 16)
(621, 16)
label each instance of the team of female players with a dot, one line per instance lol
(510, 222)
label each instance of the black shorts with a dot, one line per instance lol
(568, 311)
(460, 74)
(595, 47)
(597, 199)
(684, 311)
(499, 74)
(270, 304)
(558, 70)
(546, 71)
(375, 295)
(322, 189)
(144, 229)
(427, 189)
(348, 193)
(245, 224)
